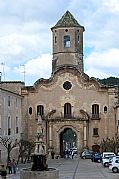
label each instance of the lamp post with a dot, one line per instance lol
(24, 72)
(3, 70)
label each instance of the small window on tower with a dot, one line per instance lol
(55, 39)
(78, 38)
(67, 41)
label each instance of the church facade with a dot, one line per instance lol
(69, 102)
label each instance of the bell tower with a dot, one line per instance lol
(67, 43)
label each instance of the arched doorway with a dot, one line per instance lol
(96, 148)
(68, 140)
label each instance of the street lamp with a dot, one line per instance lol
(3, 70)
(24, 72)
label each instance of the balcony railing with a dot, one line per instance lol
(36, 116)
(62, 116)
(96, 116)
(67, 116)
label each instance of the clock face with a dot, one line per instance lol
(67, 85)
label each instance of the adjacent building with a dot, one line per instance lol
(10, 116)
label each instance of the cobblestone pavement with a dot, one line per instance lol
(76, 169)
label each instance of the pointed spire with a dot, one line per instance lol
(67, 20)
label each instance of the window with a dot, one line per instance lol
(67, 41)
(40, 110)
(95, 111)
(55, 39)
(78, 38)
(8, 100)
(0, 126)
(117, 122)
(0, 122)
(105, 109)
(95, 131)
(67, 85)
(9, 126)
(16, 102)
(0, 155)
(17, 125)
(30, 110)
(67, 110)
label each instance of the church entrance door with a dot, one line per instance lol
(68, 141)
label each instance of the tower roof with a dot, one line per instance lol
(67, 20)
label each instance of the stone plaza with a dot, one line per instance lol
(76, 169)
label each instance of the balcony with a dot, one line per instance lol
(68, 116)
(60, 117)
(96, 116)
(42, 116)
(65, 117)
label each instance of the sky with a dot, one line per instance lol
(26, 37)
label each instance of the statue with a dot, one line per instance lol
(39, 167)
(39, 156)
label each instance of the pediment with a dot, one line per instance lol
(81, 80)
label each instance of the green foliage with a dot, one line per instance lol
(69, 137)
(110, 144)
(25, 149)
(9, 144)
(109, 81)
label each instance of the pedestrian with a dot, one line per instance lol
(67, 153)
(14, 166)
(9, 166)
(72, 154)
(3, 172)
(52, 154)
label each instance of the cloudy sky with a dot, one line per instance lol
(26, 38)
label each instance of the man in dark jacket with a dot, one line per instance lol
(3, 172)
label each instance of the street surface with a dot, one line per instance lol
(75, 169)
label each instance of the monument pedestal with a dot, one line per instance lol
(39, 169)
(50, 173)
(39, 162)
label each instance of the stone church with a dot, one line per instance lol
(76, 110)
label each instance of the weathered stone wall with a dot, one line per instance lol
(82, 95)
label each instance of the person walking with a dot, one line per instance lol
(3, 172)
(52, 154)
(72, 154)
(9, 166)
(14, 166)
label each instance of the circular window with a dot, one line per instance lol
(67, 85)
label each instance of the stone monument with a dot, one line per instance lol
(39, 167)
(39, 156)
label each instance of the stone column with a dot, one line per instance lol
(50, 140)
(50, 135)
(85, 134)
(117, 120)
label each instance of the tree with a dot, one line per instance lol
(9, 143)
(109, 81)
(25, 149)
(111, 145)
